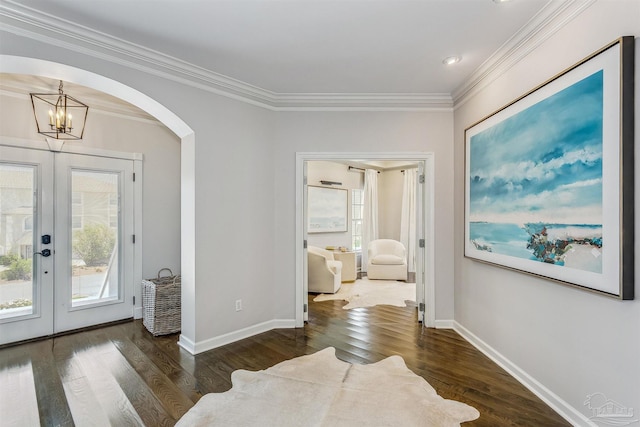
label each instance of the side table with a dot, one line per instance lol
(349, 265)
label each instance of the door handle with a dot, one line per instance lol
(45, 253)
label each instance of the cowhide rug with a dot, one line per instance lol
(368, 293)
(320, 390)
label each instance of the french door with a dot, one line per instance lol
(66, 242)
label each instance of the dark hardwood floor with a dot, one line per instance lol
(121, 375)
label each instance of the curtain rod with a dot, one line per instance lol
(358, 169)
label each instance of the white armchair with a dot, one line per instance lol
(324, 271)
(387, 260)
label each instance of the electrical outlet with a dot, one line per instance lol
(238, 305)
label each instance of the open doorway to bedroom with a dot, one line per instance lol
(350, 203)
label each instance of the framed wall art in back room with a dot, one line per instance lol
(549, 177)
(328, 209)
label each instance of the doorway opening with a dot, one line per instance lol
(424, 252)
(79, 269)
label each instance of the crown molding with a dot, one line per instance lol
(31, 23)
(363, 101)
(555, 15)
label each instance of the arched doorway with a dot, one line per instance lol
(38, 67)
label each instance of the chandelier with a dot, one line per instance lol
(59, 115)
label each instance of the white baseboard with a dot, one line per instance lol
(137, 313)
(187, 344)
(444, 324)
(566, 411)
(211, 343)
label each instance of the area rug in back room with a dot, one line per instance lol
(368, 293)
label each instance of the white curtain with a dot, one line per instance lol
(370, 214)
(408, 218)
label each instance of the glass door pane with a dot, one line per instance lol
(26, 256)
(94, 246)
(79, 271)
(94, 236)
(17, 211)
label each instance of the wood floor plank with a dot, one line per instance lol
(134, 347)
(18, 401)
(174, 401)
(106, 389)
(167, 350)
(146, 401)
(84, 405)
(52, 401)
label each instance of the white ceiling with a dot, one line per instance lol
(312, 46)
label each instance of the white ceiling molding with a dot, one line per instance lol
(362, 101)
(30, 23)
(550, 19)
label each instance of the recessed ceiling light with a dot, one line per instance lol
(451, 60)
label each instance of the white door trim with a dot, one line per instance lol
(429, 217)
(71, 148)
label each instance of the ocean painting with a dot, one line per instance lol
(535, 181)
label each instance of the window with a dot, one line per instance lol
(26, 251)
(357, 197)
(76, 198)
(27, 225)
(76, 209)
(113, 210)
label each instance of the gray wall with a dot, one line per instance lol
(572, 342)
(353, 131)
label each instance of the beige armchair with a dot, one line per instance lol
(324, 271)
(387, 260)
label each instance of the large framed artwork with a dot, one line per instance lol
(327, 210)
(549, 178)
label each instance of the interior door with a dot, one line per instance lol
(66, 240)
(26, 214)
(305, 259)
(420, 249)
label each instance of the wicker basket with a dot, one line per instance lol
(161, 304)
